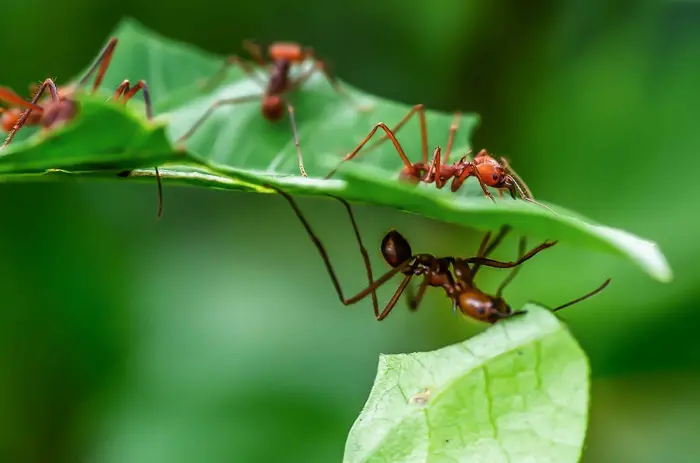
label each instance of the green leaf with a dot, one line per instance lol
(238, 149)
(517, 392)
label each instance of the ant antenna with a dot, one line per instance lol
(530, 200)
(516, 177)
(584, 297)
(514, 272)
(523, 189)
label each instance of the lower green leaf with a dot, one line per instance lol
(517, 392)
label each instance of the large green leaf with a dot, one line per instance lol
(238, 149)
(516, 392)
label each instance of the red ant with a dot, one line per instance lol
(453, 274)
(282, 56)
(61, 107)
(487, 170)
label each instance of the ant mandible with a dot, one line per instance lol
(487, 170)
(282, 56)
(62, 107)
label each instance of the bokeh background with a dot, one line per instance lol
(215, 334)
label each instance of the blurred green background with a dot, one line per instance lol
(215, 334)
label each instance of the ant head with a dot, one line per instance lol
(483, 307)
(56, 113)
(395, 249)
(273, 107)
(288, 51)
(496, 176)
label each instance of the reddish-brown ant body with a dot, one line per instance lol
(61, 106)
(282, 56)
(454, 274)
(487, 170)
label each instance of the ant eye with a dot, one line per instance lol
(480, 311)
(495, 176)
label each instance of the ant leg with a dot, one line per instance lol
(482, 246)
(415, 300)
(210, 111)
(451, 137)
(469, 171)
(358, 237)
(417, 109)
(391, 136)
(255, 51)
(234, 60)
(102, 61)
(363, 250)
(292, 121)
(514, 272)
(434, 173)
(484, 188)
(485, 250)
(395, 298)
(322, 67)
(9, 95)
(126, 93)
(498, 264)
(326, 260)
(497, 240)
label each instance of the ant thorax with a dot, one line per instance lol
(279, 77)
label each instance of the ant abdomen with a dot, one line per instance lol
(10, 118)
(273, 108)
(57, 113)
(286, 51)
(395, 249)
(482, 307)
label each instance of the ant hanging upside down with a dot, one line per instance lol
(487, 170)
(61, 106)
(454, 274)
(283, 56)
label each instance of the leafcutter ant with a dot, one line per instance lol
(454, 274)
(487, 170)
(61, 107)
(282, 56)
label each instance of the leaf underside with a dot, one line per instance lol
(238, 149)
(517, 392)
